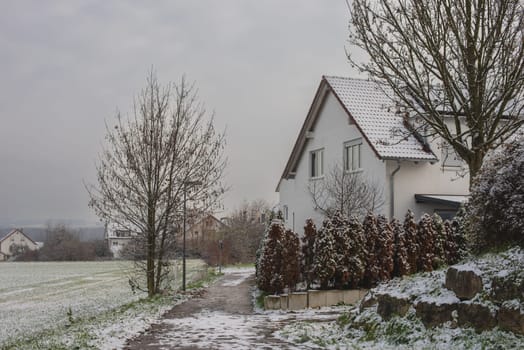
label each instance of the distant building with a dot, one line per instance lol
(204, 229)
(14, 240)
(117, 238)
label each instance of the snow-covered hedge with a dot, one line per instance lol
(496, 206)
(278, 263)
(345, 253)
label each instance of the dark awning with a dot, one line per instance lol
(451, 200)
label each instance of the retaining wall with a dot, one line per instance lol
(313, 299)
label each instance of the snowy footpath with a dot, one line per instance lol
(224, 318)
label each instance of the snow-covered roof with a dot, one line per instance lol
(375, 115)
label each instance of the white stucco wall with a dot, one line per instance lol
(423, 178)
(331, 131)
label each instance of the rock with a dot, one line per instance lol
(464, 282)
(389, 305)
(511, 319)
(508, 286)
(368, 300)
(476, 315)
(433, 314)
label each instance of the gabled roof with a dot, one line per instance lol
(368, 105)
(208, 216)
(13, 232)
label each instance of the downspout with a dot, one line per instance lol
(392, 191)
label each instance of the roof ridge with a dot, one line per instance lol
(347, 78)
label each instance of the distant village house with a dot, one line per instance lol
(15, 242)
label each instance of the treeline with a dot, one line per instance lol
(235, 242)
(63, 244)
(347, 253)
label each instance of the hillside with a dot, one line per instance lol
(483, 308)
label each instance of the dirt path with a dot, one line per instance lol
(222, 318)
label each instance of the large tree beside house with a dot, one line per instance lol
(455, 68)
(166, 151)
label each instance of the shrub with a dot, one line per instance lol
(410, 229)
(439, 257)
(384, 248)
(357, 252)
(401, 265)
(460, 233)
(290, 259)
(324, 263)
(426, 243)
(496, 206)
(308, 252)
(372, 272)
(450, 246)
(269, 265)
(340, 232)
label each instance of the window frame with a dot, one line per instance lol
(316, 163)
(348, 149)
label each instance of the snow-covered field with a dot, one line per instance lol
(38, 296)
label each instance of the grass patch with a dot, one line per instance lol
(210, 275)
(345, 319)
(95, 331)
(259, 300)
(83, 333)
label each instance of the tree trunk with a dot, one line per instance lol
(474, 164)
(150, 272)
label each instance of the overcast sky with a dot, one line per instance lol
(66, 66)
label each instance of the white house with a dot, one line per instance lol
(355, 124)
(13, 240)
(117, 238)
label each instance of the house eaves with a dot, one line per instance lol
(292, 162)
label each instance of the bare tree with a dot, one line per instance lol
(456, 65)
(146, 166)
(346, 192)
(245, 230)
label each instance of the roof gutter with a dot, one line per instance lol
(392, 191)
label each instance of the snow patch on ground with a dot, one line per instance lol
(37, 297)
(242, 274)
(220, 330)
(367, 330)
(114, 333)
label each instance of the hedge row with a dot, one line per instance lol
(347, 253)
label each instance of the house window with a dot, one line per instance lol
(450, 158)
(352, 155)
(317, 163)
(115, 243)
(286, 212)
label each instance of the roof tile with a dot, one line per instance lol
(374, 112)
